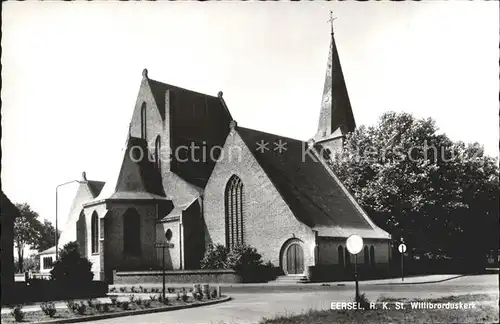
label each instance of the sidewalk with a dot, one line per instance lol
(391, 281)
(398, 281)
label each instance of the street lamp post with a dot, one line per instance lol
(354, 245)
(57, 229)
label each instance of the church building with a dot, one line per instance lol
(190, 175)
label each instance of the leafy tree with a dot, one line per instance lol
(30, 263)
(46, 236)
(25, 231)
(29, 231)
(440, 195)
(72, 268)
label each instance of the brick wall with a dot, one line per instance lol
(179, 276)
(268, 221)
(328, 251)
(111, 254)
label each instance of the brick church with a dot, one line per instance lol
(190, 175)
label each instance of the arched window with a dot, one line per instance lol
(94, 232)
(366, 255)
(132, 233)
(340, 251)
(234, 212)
(372, 255)
(347, 257)
(158, 152)
(143, 120)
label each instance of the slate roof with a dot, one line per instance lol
(95, 187)
(194, 118)
(132, 180)
(336, 111)
(311, 190)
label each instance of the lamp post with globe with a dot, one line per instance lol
(354, 245)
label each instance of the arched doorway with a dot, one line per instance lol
(294, 259)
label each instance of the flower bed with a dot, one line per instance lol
(94, 307)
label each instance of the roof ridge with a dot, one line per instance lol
(180, 88)
(266, 133)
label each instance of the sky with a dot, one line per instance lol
(71, 73)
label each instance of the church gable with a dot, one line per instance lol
(314, 194)
(179, 119)
(242, 205)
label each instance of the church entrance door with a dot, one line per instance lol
(294, 259)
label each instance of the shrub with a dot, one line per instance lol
(184, 296)
(123, 289)
(171, 290)
(105, 308)
(243, 258)
(215, 257)
(141, 288)
(138, 301)
(153, 297)
(125, 305)
(147, 303)
(131, 298)
(80, 308)
(97, 305)
(364, 303)
(197, 296)
(132, 289)
(71, 305)
(113, 289)
(49, 309)
(214, 293)
(113, 300)
(91, 303)
(18, 313)
(178, 296)
(71, 268)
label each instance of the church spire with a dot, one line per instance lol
(336, 114)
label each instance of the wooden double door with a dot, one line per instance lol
(294, 259)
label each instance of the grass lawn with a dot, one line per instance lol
(485, 311)
(95, 309)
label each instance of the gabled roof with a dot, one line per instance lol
(134, 178)
(195, 118)
(51, 250)
(311, 190)
(95, 187)
(336, 112)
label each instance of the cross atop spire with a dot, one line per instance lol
(336, 117)
(332, 18)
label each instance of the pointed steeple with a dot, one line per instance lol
(336, 117)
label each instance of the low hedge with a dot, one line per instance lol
(49, 290)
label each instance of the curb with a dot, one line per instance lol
(422, 282)
(133, 312)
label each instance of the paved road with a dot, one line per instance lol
(251, 304)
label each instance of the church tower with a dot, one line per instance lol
(336, 118)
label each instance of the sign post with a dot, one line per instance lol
(354, 245)
(163, 246)
(402, 250)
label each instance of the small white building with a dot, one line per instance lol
(47, 260)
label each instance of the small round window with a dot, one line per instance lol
(168, 234)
